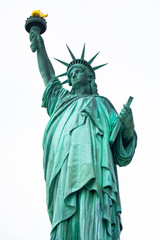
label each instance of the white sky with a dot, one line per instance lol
(127, 34)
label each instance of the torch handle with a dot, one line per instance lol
(34, 40)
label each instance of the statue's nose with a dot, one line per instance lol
(74, 74)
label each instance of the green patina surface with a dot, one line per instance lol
(80, 164)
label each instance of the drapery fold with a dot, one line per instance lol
(80, 164)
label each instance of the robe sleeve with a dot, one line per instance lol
(53, 93)
(123, 153)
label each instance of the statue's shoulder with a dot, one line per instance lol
(106, 102)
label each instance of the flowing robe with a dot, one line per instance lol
(80, 170)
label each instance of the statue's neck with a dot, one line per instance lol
(83, 90)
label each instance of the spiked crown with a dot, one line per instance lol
(76, 62)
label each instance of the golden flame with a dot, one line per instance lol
(38, 13)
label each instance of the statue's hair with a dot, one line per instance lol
(93, 86)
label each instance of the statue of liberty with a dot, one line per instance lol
(80, 163)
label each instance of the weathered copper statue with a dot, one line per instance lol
(80, 162)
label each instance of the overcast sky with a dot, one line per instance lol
(127, 34)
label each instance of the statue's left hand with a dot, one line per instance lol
(36, 40)
(126, 118)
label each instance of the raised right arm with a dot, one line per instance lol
(45, 67)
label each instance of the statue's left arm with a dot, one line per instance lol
(126, 141)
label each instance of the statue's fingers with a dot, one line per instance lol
(127, 107)
(124, 115)
(123, 112)
(33, 33)
(33, 47)
(121, 118)
(31, 36)
(36, 34)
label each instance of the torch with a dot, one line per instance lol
(37, 23)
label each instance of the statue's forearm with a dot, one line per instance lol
(44, 64)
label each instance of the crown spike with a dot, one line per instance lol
(66, 64)
(73, 57)
(62, 75)
(92, 59)
(66, 81)
(95, 68)
(83, 52)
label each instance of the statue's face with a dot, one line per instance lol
(78, 77)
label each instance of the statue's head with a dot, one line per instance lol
(80, 76)
(80, 72)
